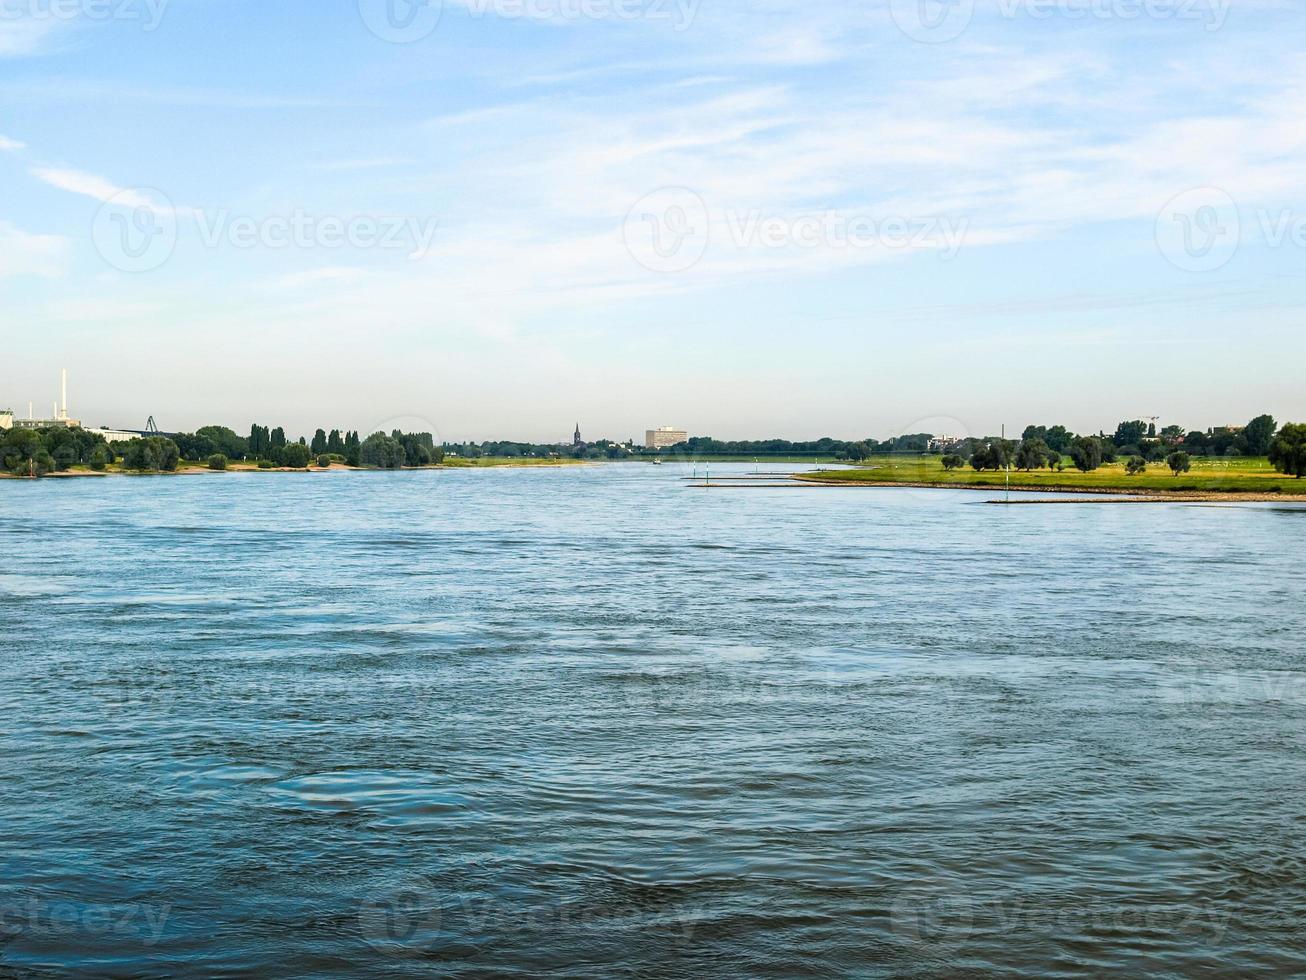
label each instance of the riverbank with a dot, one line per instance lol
(1224, 479)
(244, 466)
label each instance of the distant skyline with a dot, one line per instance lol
(936, 425)
(490, 218)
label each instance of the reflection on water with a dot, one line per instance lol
(595, 723)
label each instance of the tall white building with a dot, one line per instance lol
(663, 437)
(58, 419)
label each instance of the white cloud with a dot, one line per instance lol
(11, 145)
(100, 310)
(26, 36)
(23, 254)
(89, 185)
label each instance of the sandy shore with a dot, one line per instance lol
(1105, 495)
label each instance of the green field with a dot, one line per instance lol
(1223, 475)
(463, 462)
(670, 456)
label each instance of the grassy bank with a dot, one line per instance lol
(462, 462)
(1237, 475)
(674, 457)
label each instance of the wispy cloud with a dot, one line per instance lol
(89, 185)
(20, 37)
(23, 254)
(8, 145)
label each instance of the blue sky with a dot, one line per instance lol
(771, 218)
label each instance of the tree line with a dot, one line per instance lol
(1137, 443)
(38, 452)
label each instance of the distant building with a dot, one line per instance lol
(120, 435)
(6, 420)
(941, 444)
(576, 440)
(63, 422)
(663, 437)
(58, 420)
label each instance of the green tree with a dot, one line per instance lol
(194, 446)
(224, 441)
(319, 443)
(952, 461)
(151, 453)
(38, 464)
(1059, 438)
(1135, 465)
(1179, 462)
(1288, 450)
(295, 455)
(324, 461)
(217, 462)
(1130, 433)
(23, 453)
(1259, 434)
(101, 457)
(277, 438)
(383, 451)
(1086, 453)
(1031, 454)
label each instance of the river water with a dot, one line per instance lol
(590, 723)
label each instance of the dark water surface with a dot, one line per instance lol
(590, 723)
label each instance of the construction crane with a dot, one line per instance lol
(150, 426)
